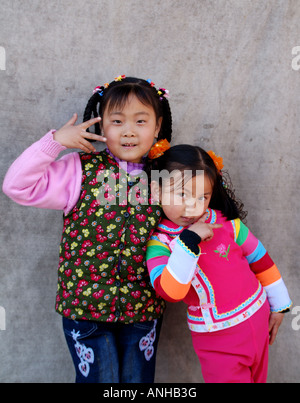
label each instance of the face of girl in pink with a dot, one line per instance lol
(130, 131)
(185, 204)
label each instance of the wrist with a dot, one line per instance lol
(51, 146)
(191, 240)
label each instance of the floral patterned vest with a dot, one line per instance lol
(102, 274)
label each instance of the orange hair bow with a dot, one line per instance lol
(158, 149)
(218, 161)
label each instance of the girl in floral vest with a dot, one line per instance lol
(111, 314)
(202, 253)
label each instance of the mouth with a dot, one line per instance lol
(188, 220)
(128, 145)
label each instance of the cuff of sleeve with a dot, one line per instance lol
(49, 146)
(191, 240)
(285, 311)
(278, 296)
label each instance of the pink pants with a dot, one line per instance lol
(238, 354)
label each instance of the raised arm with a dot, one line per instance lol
(171, 271)
(37, 179)
(172, 264)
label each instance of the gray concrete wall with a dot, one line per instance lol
(234, 86)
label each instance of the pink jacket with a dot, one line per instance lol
(37, 179)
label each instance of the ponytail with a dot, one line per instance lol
(92, 111)
(166, 127)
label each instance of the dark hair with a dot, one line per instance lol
(116, 94)
(187, 157)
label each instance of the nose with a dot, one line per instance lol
(128, 131)
(192, 207)
(128, 134)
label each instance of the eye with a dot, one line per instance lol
(117, 122)
(140, 122)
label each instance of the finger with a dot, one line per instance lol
(273, 335)
(96, 137)
(86, 146)
(215, 226)
(85, 149)
(72, 121)
(89, 123)
(203, 218)
(273, 330)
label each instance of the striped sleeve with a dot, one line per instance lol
(171, 272)
(263, 267)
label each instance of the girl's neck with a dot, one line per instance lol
(132, 168)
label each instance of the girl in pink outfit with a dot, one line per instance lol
(203, 254)
(111, 314)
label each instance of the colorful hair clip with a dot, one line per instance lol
(163, 93)
(100, 89)
(218, 161)
(120, 78)
(158, 149)
(151, 83)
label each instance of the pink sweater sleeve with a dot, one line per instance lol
(37, 179)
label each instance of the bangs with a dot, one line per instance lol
(118, 97)
(176, 179)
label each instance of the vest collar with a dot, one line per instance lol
(132, 168)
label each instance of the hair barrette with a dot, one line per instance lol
(120, 78)
(100, 89)
(151, 83)
(163, 93)
(218, 161)
(158, 149)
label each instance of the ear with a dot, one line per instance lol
(158, 127)
(155, 191)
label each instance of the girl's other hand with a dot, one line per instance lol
(204, 230)
(274, 325)
(72, 136)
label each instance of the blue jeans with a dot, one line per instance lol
(113, 352)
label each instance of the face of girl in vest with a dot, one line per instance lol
(184, 203)
(130, 132)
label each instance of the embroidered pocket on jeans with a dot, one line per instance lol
(85, 354)
(146, 343)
